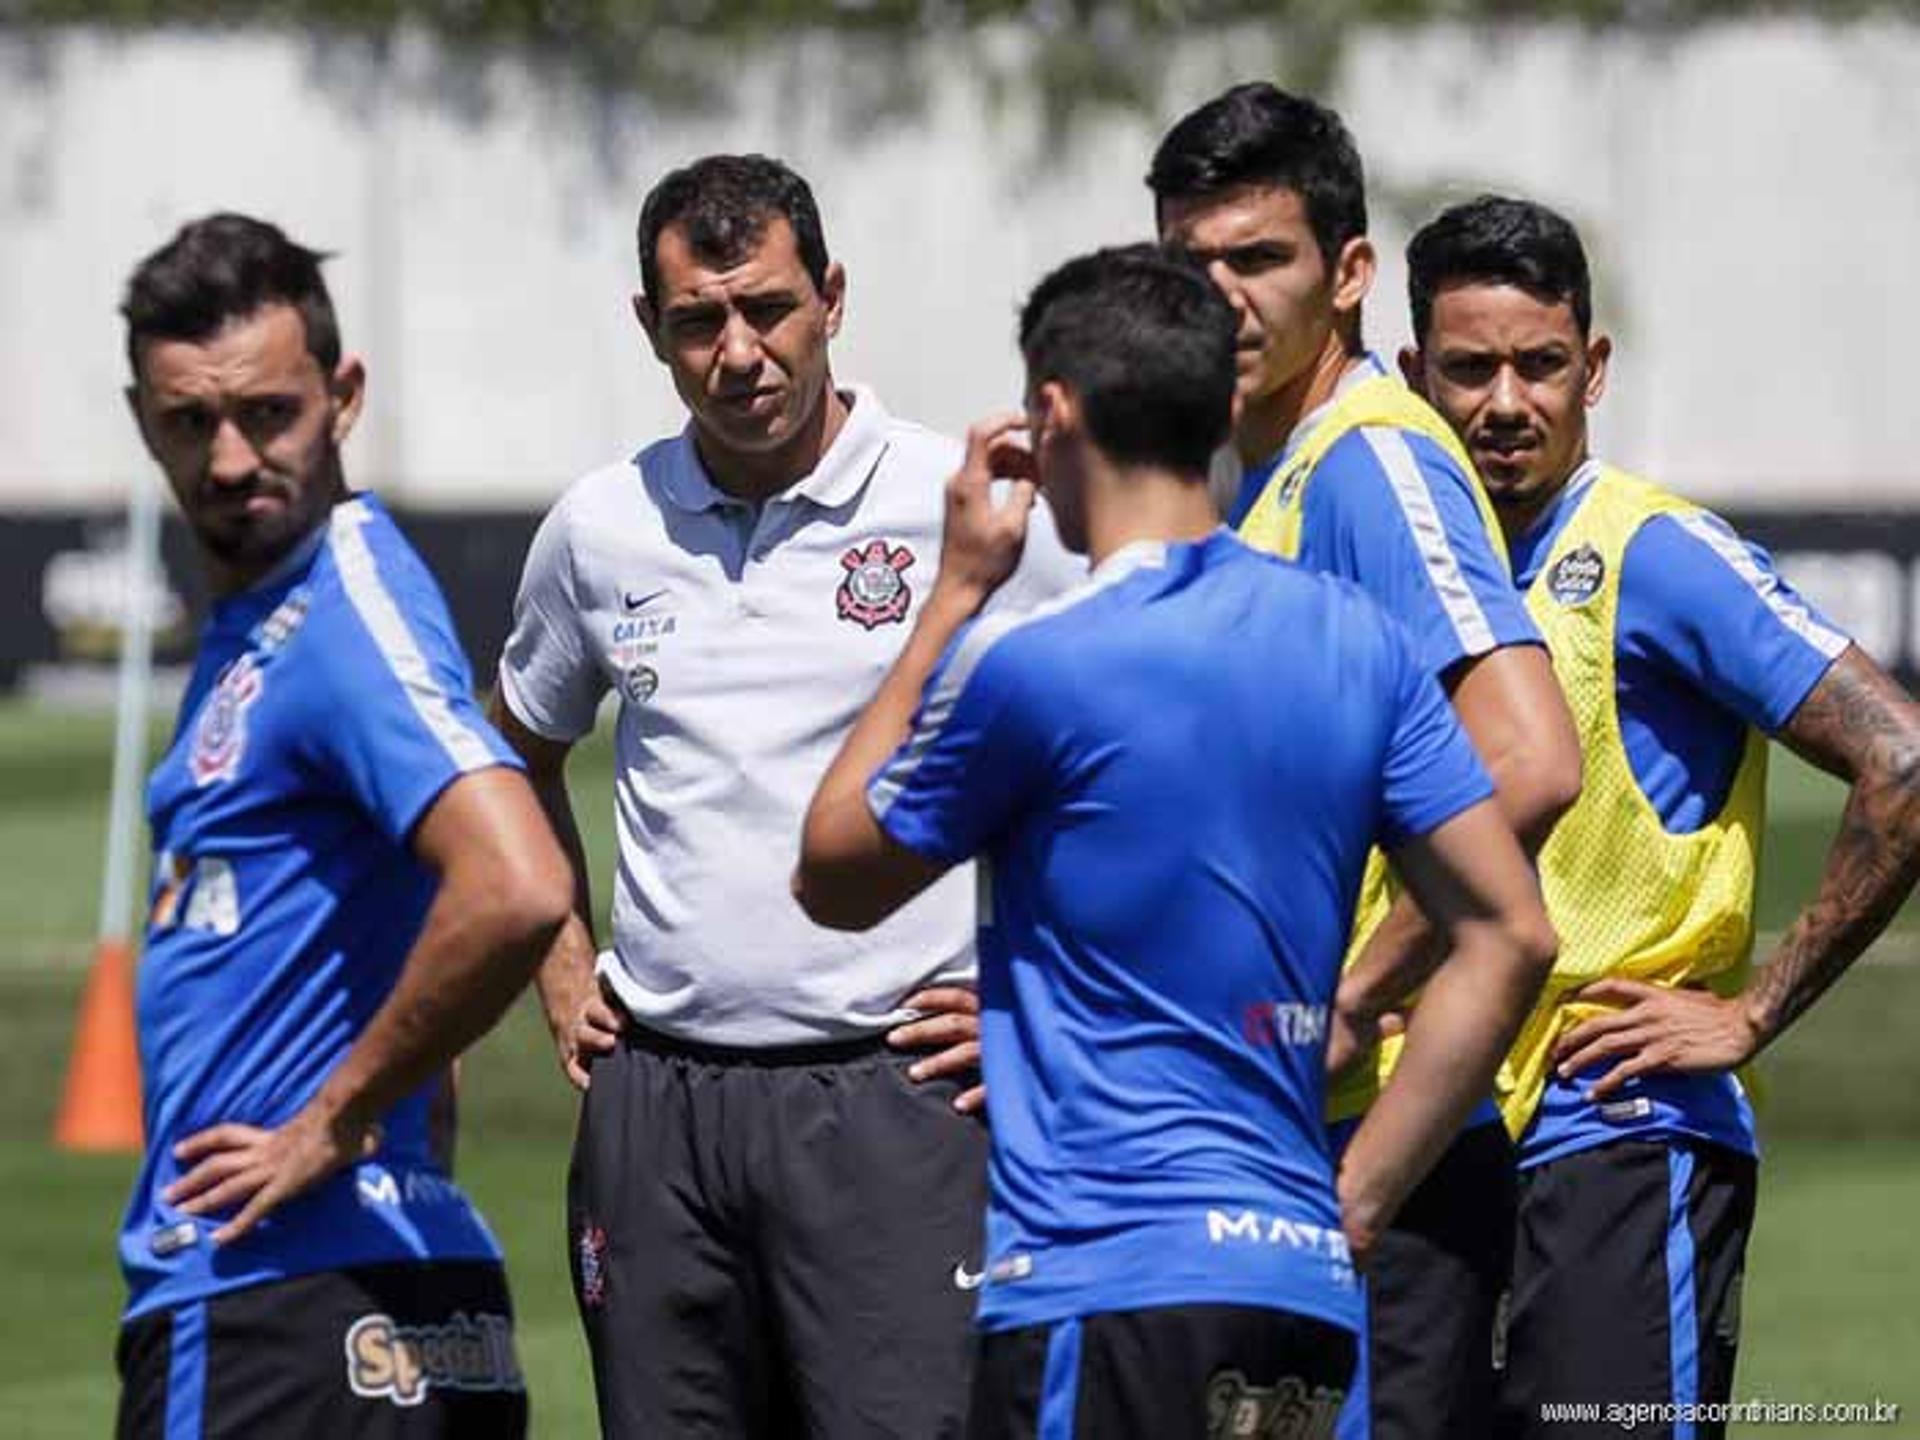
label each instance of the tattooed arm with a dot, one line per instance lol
(1859, 725)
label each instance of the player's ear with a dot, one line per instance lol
(1058, 412)
(1353, 274)
(1413, 368)
(347, 389)
(833, 290)
(649, 319)
(1599, 352)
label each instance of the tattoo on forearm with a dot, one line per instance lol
(1858, 724)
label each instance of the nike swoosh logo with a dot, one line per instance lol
(965, 1279)
(627, 597)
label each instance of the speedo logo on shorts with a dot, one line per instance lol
(403, 1363)
(1284, 1411)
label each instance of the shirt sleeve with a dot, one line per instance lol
(1431, 772)
(965, 769)
(1392, 512)
(549, 675)
(1710, 609)
(400, 722)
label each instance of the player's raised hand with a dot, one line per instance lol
(1657, 1029)
(260, 1170)
(984, 534)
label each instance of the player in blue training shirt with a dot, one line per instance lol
(1681, 651)
(1347, 471)
(351, 883)
(1172, 775)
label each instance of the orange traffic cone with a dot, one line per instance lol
(100, 1109)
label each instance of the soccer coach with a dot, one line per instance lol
(774, 1214)
(351, 883)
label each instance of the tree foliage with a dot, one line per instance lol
(1076, 53)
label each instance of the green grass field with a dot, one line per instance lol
(1829, 1308)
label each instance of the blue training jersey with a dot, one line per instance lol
(330, 705)
(1391, 511)
(1709, 640)
(1173, 774)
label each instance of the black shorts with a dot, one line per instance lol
(1178, 1372)
(1434, 1290)
(775, 1243)
(411, 1352)
(1626, 1285)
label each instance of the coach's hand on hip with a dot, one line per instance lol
(949, 1026)
(586, 1024)
(983, 536)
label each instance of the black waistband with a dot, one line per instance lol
(827, 1052)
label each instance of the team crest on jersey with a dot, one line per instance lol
(592, 1250)
(639, 684)
(1239, 1410)
(875, 592)
(220, 734)
(1576, 576)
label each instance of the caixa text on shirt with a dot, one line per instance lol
(406, 1363)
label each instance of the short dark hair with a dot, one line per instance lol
(1146, 341)
(221, 268)
(1258, 134)
(723, 203)
(1497, 240)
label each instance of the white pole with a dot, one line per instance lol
(124, 810)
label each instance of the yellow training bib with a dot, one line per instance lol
(1628, 897)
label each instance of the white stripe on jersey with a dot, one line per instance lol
(360, 576)
(1469, 621)
(938, 705)
(1788, 609)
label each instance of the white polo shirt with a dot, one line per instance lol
(743, 645)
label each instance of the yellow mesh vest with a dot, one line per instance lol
(1273, 524)
(1628, 898)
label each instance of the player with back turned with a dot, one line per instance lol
(351, 883)
(1346, 471)
(1172, 775)
(1681, 651)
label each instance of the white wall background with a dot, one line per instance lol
(1750, 194)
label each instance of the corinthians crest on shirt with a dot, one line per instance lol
(220, 731)
(874, 590)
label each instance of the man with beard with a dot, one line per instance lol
(352, 880)
(1681, 651)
